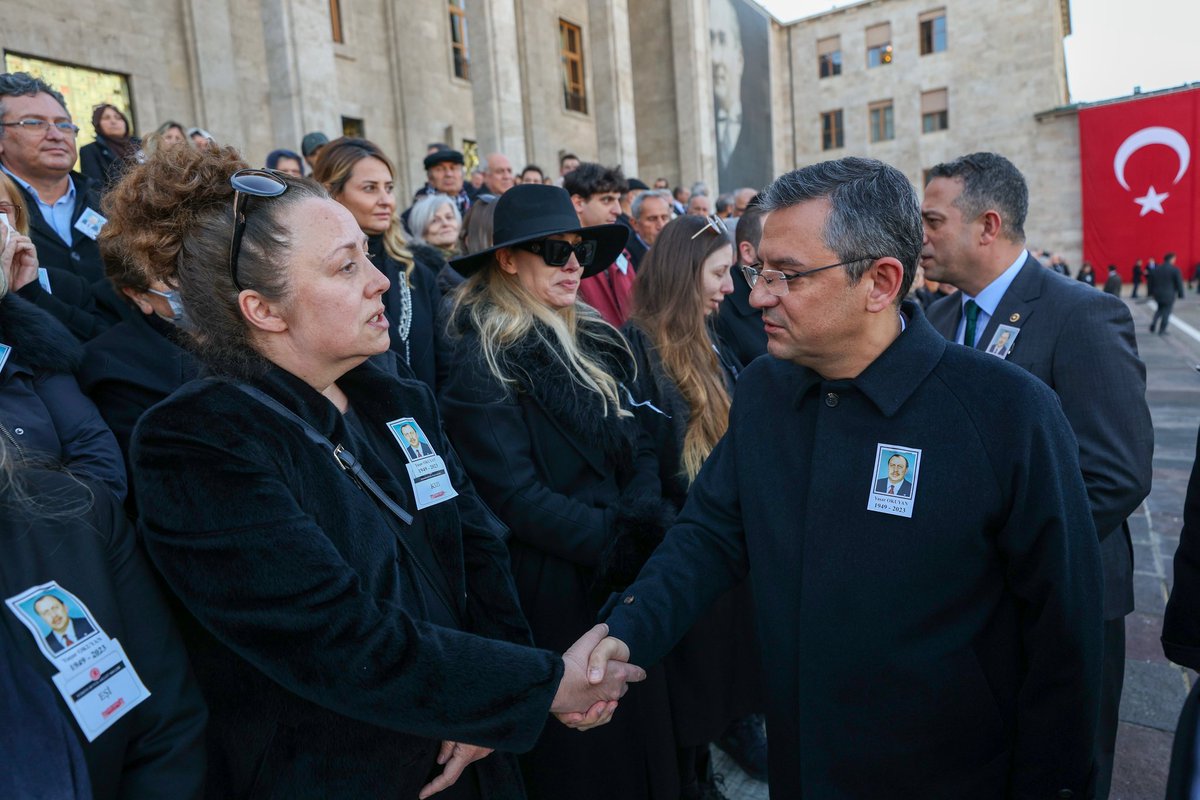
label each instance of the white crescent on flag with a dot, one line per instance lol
(1148, 136)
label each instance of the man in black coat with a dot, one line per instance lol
(1078, 342)
(941, 645)
(1165, 284)
(739, 324)
(1112, 285)
(37, 150)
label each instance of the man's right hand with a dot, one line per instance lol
(587, 695)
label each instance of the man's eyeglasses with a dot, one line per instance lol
(556, 252)
(715, 224)
(40, 126)
(777, 282)
(248, 183)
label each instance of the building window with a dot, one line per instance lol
(935, 111)
(832, 134)
(933, 31)
(353, 128)
(829, 57)
(879, 45)
(882, 129)
(574, 91)
(335, 21)
(458, 39)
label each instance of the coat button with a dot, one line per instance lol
(628, 600)
(19, 431)
(831, 399)
(74, 256)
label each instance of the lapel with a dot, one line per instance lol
(1020, 300)
(38, 222)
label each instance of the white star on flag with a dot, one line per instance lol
(1152, 201)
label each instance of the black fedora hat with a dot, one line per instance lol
(531, 212)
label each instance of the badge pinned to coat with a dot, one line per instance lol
(894, 480)
(1002, 341)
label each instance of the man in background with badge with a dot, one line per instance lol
(37, 150)
(1077, 341)
(940, 644)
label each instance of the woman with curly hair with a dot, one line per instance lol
(350, 611)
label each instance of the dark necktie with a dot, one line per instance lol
(67, 639)
(972, 316)
(891, 488)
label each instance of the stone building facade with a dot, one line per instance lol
(260, 74)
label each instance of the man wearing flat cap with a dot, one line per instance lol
(443, 175)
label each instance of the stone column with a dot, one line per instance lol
(215, 88)
(694, 92)
(301, 68)
(496, 79)
(612, 82)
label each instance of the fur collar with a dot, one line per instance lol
(540, 371)
(38, 340)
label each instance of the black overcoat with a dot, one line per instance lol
(82, 255)
(579, 490)
(1181, 622)
(421, 350)
(713, 674)
(157, 749)
(309, 634)
(951, 654)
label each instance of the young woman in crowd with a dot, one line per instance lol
(66, 542)
(534, 403)
(360, 177)
(685, 379)
(115, 147)
(354, 629)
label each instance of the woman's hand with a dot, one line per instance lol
(455, 756)
(18, 259)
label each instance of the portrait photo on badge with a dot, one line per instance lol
(895, 471)
(1003, 341)
(55, 617)
(412, 439)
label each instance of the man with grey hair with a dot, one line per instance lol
(942, 644)
(37, 150)
(1075, 340)
(650, 212)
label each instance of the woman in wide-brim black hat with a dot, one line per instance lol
(536, 407)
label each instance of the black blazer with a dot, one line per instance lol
(1166, 283)
(959, 648)
(157, 750)
(307, 624)
(82, 255)
(1081, 344)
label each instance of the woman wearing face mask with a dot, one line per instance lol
(141, 360)
(114, 149)
(534, 404)
(684, 383)
(360, 177)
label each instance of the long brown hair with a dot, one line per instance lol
(669, 307)
(333, 169)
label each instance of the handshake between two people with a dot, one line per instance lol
(596, 677)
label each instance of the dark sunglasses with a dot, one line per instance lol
(556, 252)
(248, 183)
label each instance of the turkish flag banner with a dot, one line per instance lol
(1141, 191)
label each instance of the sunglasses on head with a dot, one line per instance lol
(715, 224)
(248, 183)
(556, 252)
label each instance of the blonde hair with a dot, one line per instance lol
(333, 169)
(503, 311)
(9, 187)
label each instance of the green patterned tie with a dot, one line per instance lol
(972, 315)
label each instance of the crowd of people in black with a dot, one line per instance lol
(304, 494)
